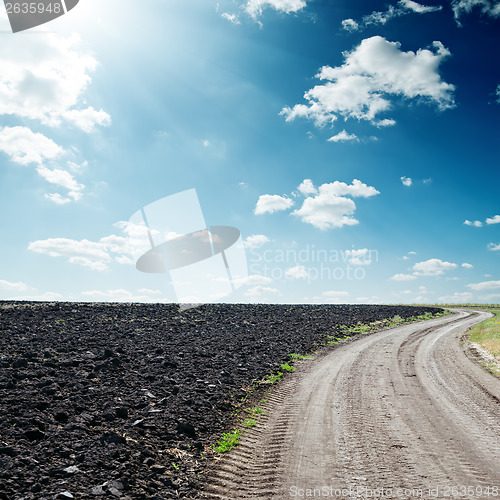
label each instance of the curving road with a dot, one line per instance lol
(402, 413)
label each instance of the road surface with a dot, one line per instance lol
(401, 413)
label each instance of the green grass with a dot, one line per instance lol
(287, 368)
(300, 356)
(227, 441)
(487, 334)
(272, 378)
(249, 423)
(255, 410)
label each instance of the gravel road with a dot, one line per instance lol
(402, 413)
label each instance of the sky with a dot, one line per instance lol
(355, 146)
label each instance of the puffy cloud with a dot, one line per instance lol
(26, 147)
(433, 267)
(272, 203)
(297, 272)
(487, 7)
(330, 207)
(493, 220)
(259, 291)
(256, 241)
(122, 295)
(407, 181)
(232, 18)
(403, 277)
(43, 78)
(344, 137)
(476, 223)
(361, 257)
(387, 122)
(84, 253)
(419, 8)
(255, 7)
(484, 285)
(350, 25)
(253, 280)
(97, 255)
(14, 286)
(403, 8)
(58, 199)
(374, 72)
(63, 179)
(307, 187)
(495, 247)
(466, 265)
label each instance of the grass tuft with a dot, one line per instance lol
(487, 334)
(227, 441)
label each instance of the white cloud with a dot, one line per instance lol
(63, 179)
(372, 73)
(84, 253)
(272, 203)
(403, 277)
(419, 8)
(344, 137)
(433, 267)
(87, 119)
(44, 77)
(350, 25)
(256, 241)
(361, 257)
(58, 199)
(25, 147)
(485, 285)
(493, 220)
(334, 293)
(232, 18)
(466, 265)
(330, 208)
(498, 94)
(259, 291)
(388, 122)
(17, 286)
(407, 181)
(494, 247)
(403, 8)
(97, 255)
(297, 272)
(476, 223)
(255, 7)
(122, 295)
(457, 298)
(307, 187)
(253, 280)
(487, 7)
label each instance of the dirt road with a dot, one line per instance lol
(402, 413)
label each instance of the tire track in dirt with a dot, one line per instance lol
(400, 409)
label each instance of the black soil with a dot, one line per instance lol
(123, 400)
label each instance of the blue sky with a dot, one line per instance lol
(356, 148)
